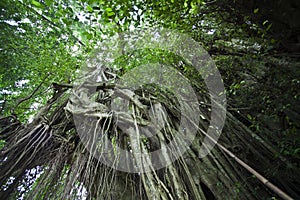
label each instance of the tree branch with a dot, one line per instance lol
(28, 97)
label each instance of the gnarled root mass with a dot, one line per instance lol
(74, 148)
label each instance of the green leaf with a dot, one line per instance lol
(249, 117)
(269, 26)
(89, 8)
(256, 10)
(108, 9)
(48, 2)
(296, 151)
(264, 23)
(89, 36)
(2, 144)
(36, 4)
(110, 14)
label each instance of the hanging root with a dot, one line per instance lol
(62, 153)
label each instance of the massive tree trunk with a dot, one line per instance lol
(50, 160)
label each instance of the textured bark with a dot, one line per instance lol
(51, 142)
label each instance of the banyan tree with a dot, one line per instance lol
(95, 139)
(147, 118)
